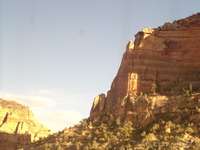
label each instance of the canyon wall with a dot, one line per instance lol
(163, 59)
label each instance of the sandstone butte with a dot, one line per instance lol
(167, 57)
(18, 126)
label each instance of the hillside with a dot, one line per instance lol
(154, 101)
(175, 128)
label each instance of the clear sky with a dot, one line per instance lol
(57, 55)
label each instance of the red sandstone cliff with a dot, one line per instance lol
(167, 57)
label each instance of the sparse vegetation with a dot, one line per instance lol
(161, 135)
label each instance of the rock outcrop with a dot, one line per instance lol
(163, 59)
(98, 105)
(18, 125)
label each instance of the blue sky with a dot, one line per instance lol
(57, 55)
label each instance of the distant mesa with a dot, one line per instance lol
(18, 125)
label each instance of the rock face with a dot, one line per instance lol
(165, 59)
(18, 125)
(98, 105)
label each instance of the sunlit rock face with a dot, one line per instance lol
(18, 124)
(98, 105)
(167, 57)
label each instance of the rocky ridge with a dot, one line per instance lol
(18, 125)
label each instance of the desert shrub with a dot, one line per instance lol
(59, 147)
(78, 145)
(197, 144)
(128, 146)
(84, 124)
(118, 121)
(94, 144)
(189, 130)
(143, 133)
(155, 128)
(127, 129)
(86, 148)
(148, 137)
(153, 89)
(97, 132)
